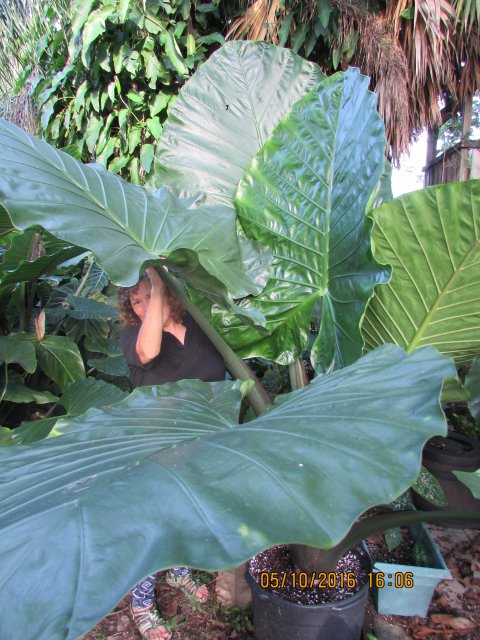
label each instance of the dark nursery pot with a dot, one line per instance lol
(275, 618)
(442, 456)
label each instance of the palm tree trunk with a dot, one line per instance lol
(467, 125)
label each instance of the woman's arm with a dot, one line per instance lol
(149, 341)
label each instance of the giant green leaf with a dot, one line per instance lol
(121, 223)
(304, 196)
(59, 357)
(225, 113)
(213, 492)
(432, 240)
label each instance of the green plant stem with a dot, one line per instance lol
(257, 397)
(314, 559)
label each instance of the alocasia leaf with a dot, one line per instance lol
(431, 238)
(225, 113)
(304, 196)
(75, 534)
(121, 223)
(60, 358)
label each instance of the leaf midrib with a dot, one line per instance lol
(88, 194)
(419, 333)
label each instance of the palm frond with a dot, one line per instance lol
(468, 12)
(261, 21)
(23, 24)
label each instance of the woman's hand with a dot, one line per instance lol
(155, 279)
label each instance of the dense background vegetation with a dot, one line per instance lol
(106, 79)
(104, 72)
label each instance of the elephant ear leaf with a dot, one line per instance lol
(59, 357)
(304, 196)
(180, 447)
(431, 238)
(225, 113)
(120, 222)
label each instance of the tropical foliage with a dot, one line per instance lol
(298, 465)
(44, 354)
(110, 74)
(302, 472)
(311, 232)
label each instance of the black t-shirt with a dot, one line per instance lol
(197, 358)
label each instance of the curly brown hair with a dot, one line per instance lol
(129, 318)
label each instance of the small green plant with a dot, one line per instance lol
(240, 619)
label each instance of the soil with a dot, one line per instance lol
(304, 587)
(454, 613)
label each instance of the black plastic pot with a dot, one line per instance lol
(442, 456)
(275, 618)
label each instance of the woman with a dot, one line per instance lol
(161, 344)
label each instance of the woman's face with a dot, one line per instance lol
(140, 300)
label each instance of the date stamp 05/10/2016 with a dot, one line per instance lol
(332, 580)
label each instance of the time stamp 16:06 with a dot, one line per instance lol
(331, 580)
